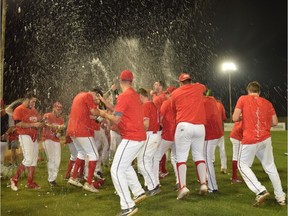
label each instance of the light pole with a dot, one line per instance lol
(229, 67)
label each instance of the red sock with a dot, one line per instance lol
(69, 168)
(81, 169)
(77, 165)
(163, 164)
(31, 171)
(234, 169)
(20, 170)
(181, 173)
(91, 169)
(201, 171)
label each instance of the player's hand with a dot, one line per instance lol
(38, 124)
(113, 87)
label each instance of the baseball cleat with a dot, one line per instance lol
(74, 182)
(163, 175)
(282, 203)
(13, 185)
(223, 171)
(203, 189)
(90, 187)
(183, 193)
(53, 183)
(235, 181)
(128, 212)
(154, 191)
(260, 198)
(33, 185)
(138, 199)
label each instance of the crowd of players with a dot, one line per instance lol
(140, 127)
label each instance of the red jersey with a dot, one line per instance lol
(168, 121)
(213, 128)
(222, 110)
(151, 113)
(24, 114)
(237, 132)
(13, 136)
(80, 124)
(159, 99)
(95, 125)
(257, 115)
(131, 125)
(49, 133)
(187, 102)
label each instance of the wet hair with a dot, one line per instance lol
(187, 81)
(29, 95)
(254, 87)
(98, 91)
(162, 83)
(143, 92)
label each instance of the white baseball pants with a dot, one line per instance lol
(264, 152)
(122, 172)
(30, 150)
(53, 153)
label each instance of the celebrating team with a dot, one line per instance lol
(179, 119)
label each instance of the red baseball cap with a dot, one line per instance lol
(57, 105)
(184, 76)
(170, 89)
(126, 75)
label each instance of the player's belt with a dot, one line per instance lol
(153, 132)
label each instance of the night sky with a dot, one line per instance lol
(63, 47)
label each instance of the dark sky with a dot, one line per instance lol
(52, 44)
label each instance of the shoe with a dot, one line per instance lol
(90, 187)
(223, 171)
(203, 189)
(129, 211)
(97, 184)
(13, 185)
(99, 175)
(235, 181)
(53, 183)
(183, 192)
(155, 191)
(138, 199)
(213, 191)
(33, 185)
(74, 182)
(163, 175)
(282, 202)
(260, 198)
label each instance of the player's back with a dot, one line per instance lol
(189, 104)
(256, 117)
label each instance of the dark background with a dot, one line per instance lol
(58, 48)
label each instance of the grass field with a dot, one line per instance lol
(233, 199)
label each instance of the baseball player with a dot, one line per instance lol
(28, 121)
(81, 131)
(236, 136)
(54, 124)
(146, 155)
(187, 102)
(159, 96)
(168, 121)
(257, 115)
(213, 134)
(128, 115)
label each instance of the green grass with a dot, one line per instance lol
(65, 200)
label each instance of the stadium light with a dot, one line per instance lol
(229, 67)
